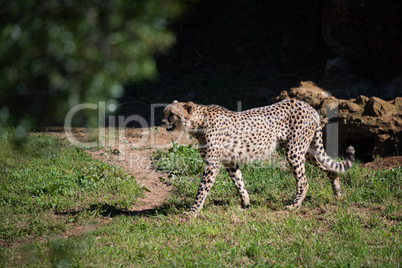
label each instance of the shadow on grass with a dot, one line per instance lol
(167, 208)
(107, 210)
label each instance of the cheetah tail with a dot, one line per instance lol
(318, 151)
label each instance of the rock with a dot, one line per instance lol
(329, 107)
(382, 137)
(350, 106)
(398, 103)
(361, 100)
(378, 107)
(307, 91)
(372, 125)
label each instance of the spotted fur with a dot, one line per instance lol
(231, 138)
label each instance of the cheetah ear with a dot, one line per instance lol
(188, 106)
(175, 101)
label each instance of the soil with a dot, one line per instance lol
(385, 163)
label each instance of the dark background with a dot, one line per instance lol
(225, 51)
(249, 51)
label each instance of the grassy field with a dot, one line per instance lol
(362, 229)
(48, 187)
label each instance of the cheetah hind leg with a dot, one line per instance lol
(298, 169)
(333, 176)
(236, 176)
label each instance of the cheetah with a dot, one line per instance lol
(232, 138)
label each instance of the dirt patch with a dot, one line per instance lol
(131, 149)
(385, 163)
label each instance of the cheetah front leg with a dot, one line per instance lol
(211, 169)
(236, 176)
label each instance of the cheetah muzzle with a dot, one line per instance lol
(232, 138)
(170, 128)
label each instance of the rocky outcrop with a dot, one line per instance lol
(372, 125)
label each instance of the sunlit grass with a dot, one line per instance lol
(43, 176)
(361, 229)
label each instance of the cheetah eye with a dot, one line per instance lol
(171, 116)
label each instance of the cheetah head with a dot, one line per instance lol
(176, 115)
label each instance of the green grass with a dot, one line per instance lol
(362, 229)
(42, 177)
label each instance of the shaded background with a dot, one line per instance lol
(206, 51)
(249, 51)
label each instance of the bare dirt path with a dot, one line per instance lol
(132, 149)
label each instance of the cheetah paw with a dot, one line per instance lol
(190, 214)
(245, 206)
(293, 207)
